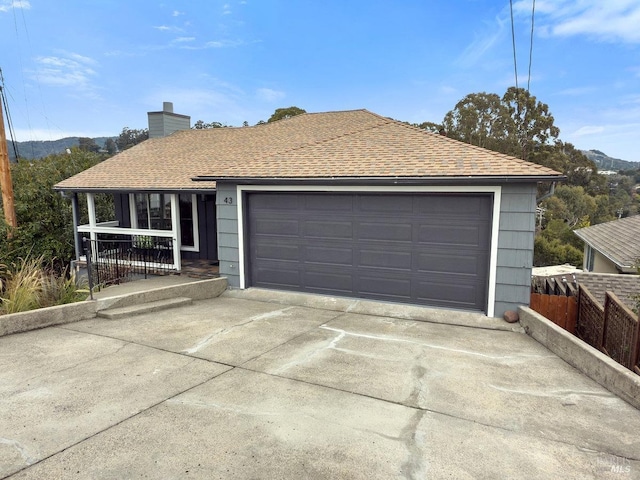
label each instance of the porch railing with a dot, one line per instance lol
(117, 258)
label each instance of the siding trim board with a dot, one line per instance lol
(225, 200)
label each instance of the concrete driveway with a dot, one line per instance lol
(238, 388)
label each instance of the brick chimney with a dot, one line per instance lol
(166, 122)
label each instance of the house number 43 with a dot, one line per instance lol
(228, 200)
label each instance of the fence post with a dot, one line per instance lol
(87, 255)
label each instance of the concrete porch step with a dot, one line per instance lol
(116, 313)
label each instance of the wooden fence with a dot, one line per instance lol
(561, 310)
(613, 328)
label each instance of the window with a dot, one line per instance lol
(188, 221)
(153, 211)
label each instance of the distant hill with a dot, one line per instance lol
(35, 149)
(605, 162)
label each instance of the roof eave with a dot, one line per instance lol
(436, 180)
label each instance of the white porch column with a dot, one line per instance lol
(175, 230)
(91, 208)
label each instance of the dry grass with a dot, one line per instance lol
(31, 284)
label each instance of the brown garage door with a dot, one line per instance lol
(430, 249)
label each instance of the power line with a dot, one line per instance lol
(533, 12)
(9, 122)
(513, 41)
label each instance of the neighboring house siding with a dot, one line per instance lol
(602, 264)
(228, 248)
(515, 247)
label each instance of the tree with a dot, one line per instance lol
(110, 146)
(130, 137)
(478, 119)
(200, 125)
(45, 223)
(531, 123)
(88, 145)
(282, 113)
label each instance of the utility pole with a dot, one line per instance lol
(5, 174)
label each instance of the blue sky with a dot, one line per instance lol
(78, 68)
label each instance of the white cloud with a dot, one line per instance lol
(577, 91)
(176, 13)
(606, 20)
(482, 43)
(588, 130)
(269, 95)
(166, 28)
(184, 39)
(6, 6)
(66, 69)
(226, 9)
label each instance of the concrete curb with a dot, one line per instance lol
(200, 290)
(46, 317)
(593, 363)
(74, 312)
(371, 307)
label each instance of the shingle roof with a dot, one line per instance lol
(618, 240)
(626, 287)
(348, 144)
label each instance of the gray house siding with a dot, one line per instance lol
(515, 243)
(515, 247)
(228, 243)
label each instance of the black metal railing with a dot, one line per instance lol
(122, 258)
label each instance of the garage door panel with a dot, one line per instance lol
(400, 232)
(329, 255)
(385, 258)
(449, 206)
(453, 235)
(447, 293)
(276, 226)
(328, 229)
(383, 204)
(386, 286)
(327, 204)
(278, 275)
(277, 252)
(430, 249)
(449, 262)
(321, 279)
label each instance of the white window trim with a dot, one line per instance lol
(495, 224)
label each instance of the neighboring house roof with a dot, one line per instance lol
(618, 240)
(332, 146)
(626, 287)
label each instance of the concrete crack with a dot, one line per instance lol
(28, 459)
(204, 342)
(386, 338)
(308, 353)
(416, 465)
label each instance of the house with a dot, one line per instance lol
(345, 203)
(612, 247)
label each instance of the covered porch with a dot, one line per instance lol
(147, 233)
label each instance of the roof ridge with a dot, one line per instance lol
(330, 139)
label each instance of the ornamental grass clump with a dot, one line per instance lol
(30, 284)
